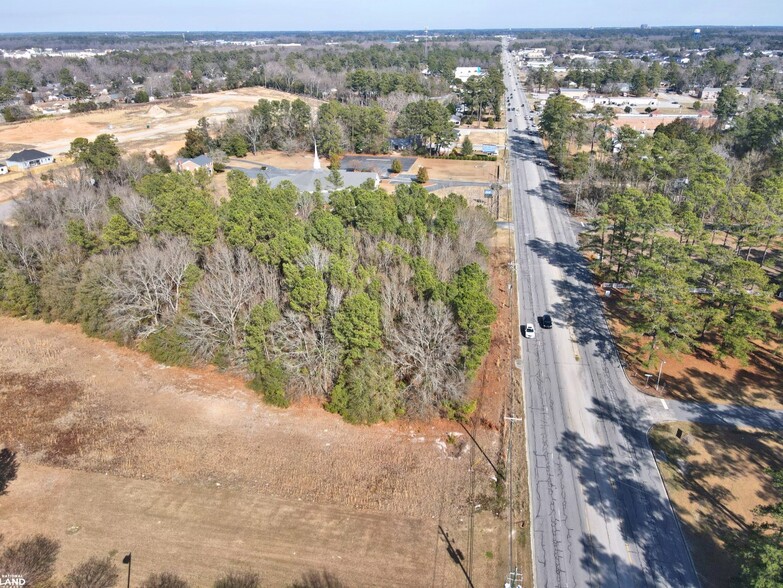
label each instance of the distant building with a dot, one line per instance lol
(534, 53)
(487, 149)
(575, 93)
(29, 158)
(538, 63)
(627, 101)
(191, 165)
(463, 74)
(710, 93)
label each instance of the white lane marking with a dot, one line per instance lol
(665, 406)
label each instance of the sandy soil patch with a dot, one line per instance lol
(715, 478)
(222, 529)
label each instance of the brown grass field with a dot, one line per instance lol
(715, 478)
(191, 472)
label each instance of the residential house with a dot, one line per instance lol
(29, 158)
(487, 149)
(191, 165)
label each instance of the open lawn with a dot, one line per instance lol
(458, 170)
(715, 478)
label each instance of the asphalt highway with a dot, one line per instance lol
(600, 512)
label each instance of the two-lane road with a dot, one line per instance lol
(600, 513)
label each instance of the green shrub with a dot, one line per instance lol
(455, 410)
(18, 297)
(366, 391)
(168, 347)
(270, 379)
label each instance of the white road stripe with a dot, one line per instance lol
(665, 406)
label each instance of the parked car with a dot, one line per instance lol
(529, 331)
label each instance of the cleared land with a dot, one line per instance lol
(192, 472)
(156, 125)
(715, 478)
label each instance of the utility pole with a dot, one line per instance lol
(127, 560)
(426, 45)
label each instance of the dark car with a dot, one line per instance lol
(546, 322)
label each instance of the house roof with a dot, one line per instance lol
(28, 155)
(200, 161)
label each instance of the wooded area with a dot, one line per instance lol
(375, 303)
(690, 219)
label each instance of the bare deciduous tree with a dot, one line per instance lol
(94, 573)
(147, 290)
(309, 353)
(239, 580)
(234, 282)
(33, 559)
(424, 344)
(134, 207)
(164, 580)
(252, 127)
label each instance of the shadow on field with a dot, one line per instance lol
(315, 579)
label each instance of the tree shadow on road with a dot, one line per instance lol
(618, 489)
(580, 305)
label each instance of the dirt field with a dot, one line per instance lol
(715, 478)
(158, 125)
(156, 459)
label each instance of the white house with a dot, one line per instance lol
(463, 74)
(29, 158)
(575, 93)
(191, 165)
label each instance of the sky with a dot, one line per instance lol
(363, 15)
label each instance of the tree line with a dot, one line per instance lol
(376, 303)
(690, 219)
